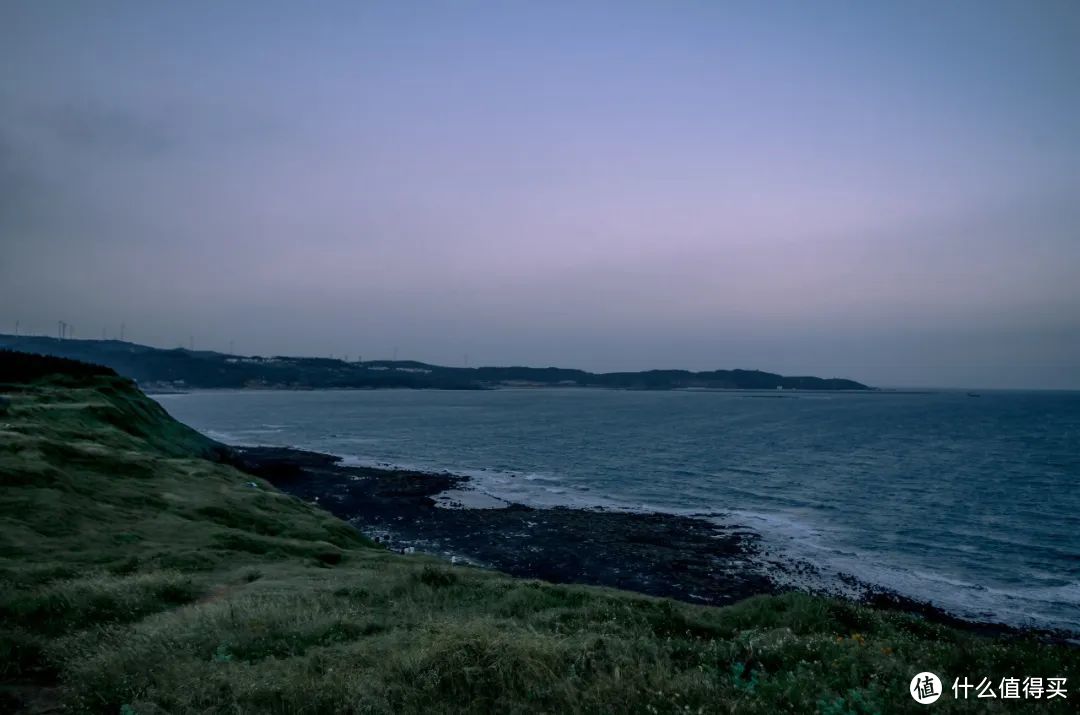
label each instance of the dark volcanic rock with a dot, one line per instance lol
(658, 554)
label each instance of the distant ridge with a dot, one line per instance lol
(180, 368)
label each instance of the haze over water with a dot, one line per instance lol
(970, 503)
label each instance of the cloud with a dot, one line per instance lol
(110, 130)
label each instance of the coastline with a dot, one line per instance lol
(658, 554)
(154, 564)
(663, 555)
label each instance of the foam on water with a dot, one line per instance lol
(1020, 606)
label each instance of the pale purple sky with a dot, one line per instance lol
(887, 191)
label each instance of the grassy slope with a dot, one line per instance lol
(139, 577)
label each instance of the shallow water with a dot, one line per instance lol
(970, 503)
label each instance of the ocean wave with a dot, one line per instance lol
(793, 538)
(224, 437)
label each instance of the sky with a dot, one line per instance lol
(883, 191)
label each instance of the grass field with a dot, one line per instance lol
(141, 577)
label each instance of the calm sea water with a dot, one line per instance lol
(970, 503)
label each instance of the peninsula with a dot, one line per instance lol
(180, 368)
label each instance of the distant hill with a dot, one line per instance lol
(17, 367)
(180, 368)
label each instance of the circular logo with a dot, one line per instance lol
(925, 688)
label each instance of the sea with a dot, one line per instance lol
(968, 501)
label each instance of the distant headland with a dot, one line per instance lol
(179, 368)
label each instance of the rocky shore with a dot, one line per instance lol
(658, 554)
(686, 558)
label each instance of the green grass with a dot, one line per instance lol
(140, 577)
